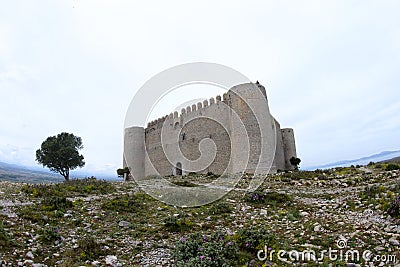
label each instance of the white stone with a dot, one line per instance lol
(124, 224)
(317, 228)
(30, 255)
(111, 260)
(304, 213)
(379, 248)
(394, 241)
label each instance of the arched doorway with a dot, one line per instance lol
(178, 169)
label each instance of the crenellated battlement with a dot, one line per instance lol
(189, 109)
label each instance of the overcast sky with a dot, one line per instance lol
(331, 69)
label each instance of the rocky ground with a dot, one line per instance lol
(97, 223)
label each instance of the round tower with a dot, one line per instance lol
(250, 102)
(134, 151)
(289, 147)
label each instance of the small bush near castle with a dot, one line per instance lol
(394, 207)
(220, 208)
(205, 250)
(174, 224)
(274, 198)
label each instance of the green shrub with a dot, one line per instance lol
(297, 175)
(125, 203)
(261, 197)
(89, 248)
(253, 239)
(278, 198)
(293, 214)
(32, 213)
(5, 240)
(185, 183)
(50, 234)
(212, 175)
(257, 196)
(394, 208)
(176, 224)
(392, 167)
(220, 208)
(205, 250)
(371, 191)
(56, 203)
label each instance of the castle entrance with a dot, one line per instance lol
(178, 169)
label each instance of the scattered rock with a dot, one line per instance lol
(124, 224)
(379, 248)
(111, 260)
(394, 241)
(318, 228)
(30, 255)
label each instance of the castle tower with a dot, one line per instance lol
(134, 151)
(250, 102)
(289, 147)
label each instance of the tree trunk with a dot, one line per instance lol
(67, 176)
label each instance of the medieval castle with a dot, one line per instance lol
(180, 144)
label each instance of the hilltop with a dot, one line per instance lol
(98, 223)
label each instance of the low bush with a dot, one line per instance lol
(278, 198)
(261, 197)
(212, 175)
(297, 175)
(253, 239)
(205, 250)
(185, 183)
(394, 208)
(125, 203)
(371, 191)
(50, 234)
(5, 240)
(392, 167)
(89, 248)
(293, 214)
(175, 224)
(257, 196)
(220, 208)
(55, 203)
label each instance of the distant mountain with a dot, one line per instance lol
(392, 160)
(385, 155)
(19, 173)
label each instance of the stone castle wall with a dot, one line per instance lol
(212, 127)
(192, 126)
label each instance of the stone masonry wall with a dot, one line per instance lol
(208, 127)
